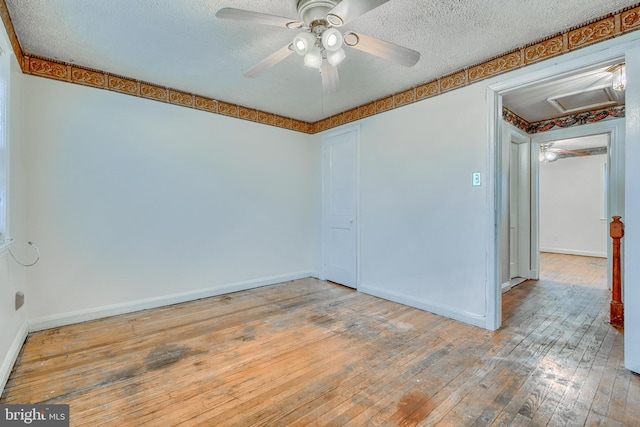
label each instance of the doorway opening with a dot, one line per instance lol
(499, 164)
(568, 191)
(575, 196)
(573, 213)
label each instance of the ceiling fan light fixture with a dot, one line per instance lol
(313, 58)
(619, 77)
(332, 40)
(546, 155)
(303, 43)
(336, 57)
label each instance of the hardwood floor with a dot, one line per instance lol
(314, 353)
(590, 272)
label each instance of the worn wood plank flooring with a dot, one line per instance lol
(312, 353)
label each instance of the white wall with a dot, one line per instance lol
(572, 216)
(131, 200)
(423, 236)
(13, 324)
(134, 203)
(631, 241)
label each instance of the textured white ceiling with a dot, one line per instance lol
(531, 103)
(181, 44)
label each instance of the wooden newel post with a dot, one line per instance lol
(616, 229)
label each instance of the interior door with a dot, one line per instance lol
(340, 195)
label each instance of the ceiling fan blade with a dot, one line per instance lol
(348, 10)
(269, 62)
(393, 52)
(330, 78)
(571, 152)
(258, 18)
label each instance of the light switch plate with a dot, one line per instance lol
(476, 179)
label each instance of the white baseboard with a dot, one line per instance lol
(574, 252)
(450, 312)
(506, 286)
(63, 319)
(12, 355)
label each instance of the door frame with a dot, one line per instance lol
(324, 168)
(613, 50)
(615, 129)
(523, 191)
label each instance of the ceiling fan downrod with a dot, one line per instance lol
(310, 11)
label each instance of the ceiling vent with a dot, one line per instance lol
(584, 100)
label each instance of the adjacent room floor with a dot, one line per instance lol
(584, 271)
(314, 353)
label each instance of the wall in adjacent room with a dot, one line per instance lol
(572, 206)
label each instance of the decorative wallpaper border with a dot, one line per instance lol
(610, 26)
(562, 122)
(44, 67)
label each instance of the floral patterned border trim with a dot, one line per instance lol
(612, 25)
(514, 119)
(562, 122)
(48, 68)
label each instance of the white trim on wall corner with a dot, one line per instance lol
(63, 319)
(411, 301)
(12, 355)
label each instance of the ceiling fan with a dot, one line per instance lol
(320, 42)
(549, 154)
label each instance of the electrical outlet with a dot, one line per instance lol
(19, 300)
(476, 179)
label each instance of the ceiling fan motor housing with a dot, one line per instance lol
(314, 10)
